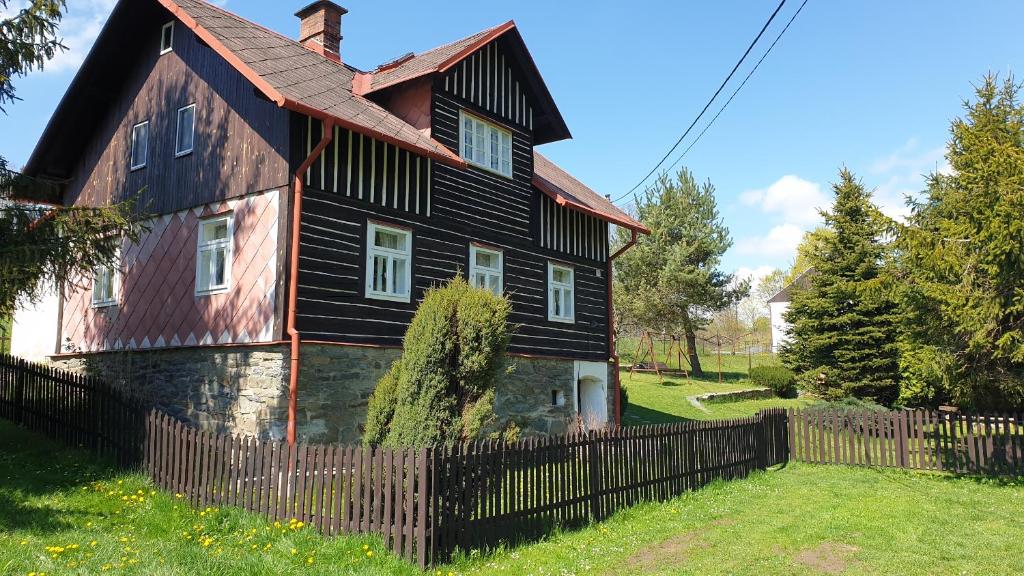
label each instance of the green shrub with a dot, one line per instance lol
(845, 405)
(441, 391)
(623, 400)
(780, 379)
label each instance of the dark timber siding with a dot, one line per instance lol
(241, 139)
(571, 232)
(466, 205)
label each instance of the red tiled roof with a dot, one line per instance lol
(570, 192)
(298, 79)
(436, 60)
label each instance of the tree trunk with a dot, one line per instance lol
(691, 351)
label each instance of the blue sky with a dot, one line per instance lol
(867, 84)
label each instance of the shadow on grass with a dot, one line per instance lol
(32, 471)
(641, 416)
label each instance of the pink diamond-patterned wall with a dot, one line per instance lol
(157, 305)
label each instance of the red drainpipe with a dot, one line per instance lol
(611, 330)
(293, 274)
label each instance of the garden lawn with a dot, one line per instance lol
(654, 400)
(64, 512)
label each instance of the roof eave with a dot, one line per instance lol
(275, 96)
(555, 193)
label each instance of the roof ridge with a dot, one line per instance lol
(230, 14)
(452, 43)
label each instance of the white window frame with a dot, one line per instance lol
(115, 284)
(484, 159)
(132, 160)
(177, 131)
(227, 244)
(498, 272)
(170, 43)
(372, 250)
(561, 286)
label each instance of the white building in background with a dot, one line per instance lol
(779, 304)
(34, 331)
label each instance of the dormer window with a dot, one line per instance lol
(484, 144)
(167, 38)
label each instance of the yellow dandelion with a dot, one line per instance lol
(294, 551)
(309, 560)
(93, 543)
(369, 553)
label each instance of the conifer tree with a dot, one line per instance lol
(671, 280)
(844, 327)
(962, 262)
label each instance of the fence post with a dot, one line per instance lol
(761, 440)
(594, 475)
(19, 390)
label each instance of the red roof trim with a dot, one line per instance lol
(483, 41)
(458, 57)
(555, 193)
(447, 157)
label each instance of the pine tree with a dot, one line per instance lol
(844, 327)
(671, 280)
(962, 262)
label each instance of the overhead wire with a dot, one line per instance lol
(708, 105)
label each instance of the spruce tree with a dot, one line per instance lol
(844, 327)
(962, 262)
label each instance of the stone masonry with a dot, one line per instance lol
(244, 390)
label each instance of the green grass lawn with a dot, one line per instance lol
(64, 512)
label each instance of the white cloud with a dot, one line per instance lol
(78, 31)
(796, 200)
(753, 274)
(903, 173)
(781, 240)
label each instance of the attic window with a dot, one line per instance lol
(167, 37)
(485, 145)
(185, 137)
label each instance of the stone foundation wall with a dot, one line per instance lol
(241, 390)
(245, 390)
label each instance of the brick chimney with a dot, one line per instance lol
(320, 28)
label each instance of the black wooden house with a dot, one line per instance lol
(315, 203)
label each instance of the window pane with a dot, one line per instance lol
(495, 153)
(556, 302)
(567, 302)
(380, 266)
(186, 129)
(398, 276)
(219, 267)
(494, 283)
(486, 259)
(203, 281)
(560, 275)
(389, 240)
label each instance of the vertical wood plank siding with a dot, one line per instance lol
(571, 232)
(241, 139)
(493, 83)
(447, 209)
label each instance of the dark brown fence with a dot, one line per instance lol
(77, 410)
(916, 439)
(426, 503)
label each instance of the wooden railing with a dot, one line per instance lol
(917, 439)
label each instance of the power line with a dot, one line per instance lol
(708, 105)
(738, 88)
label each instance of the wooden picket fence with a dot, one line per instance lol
(915, 439)
(77, 410)
(426, 503)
